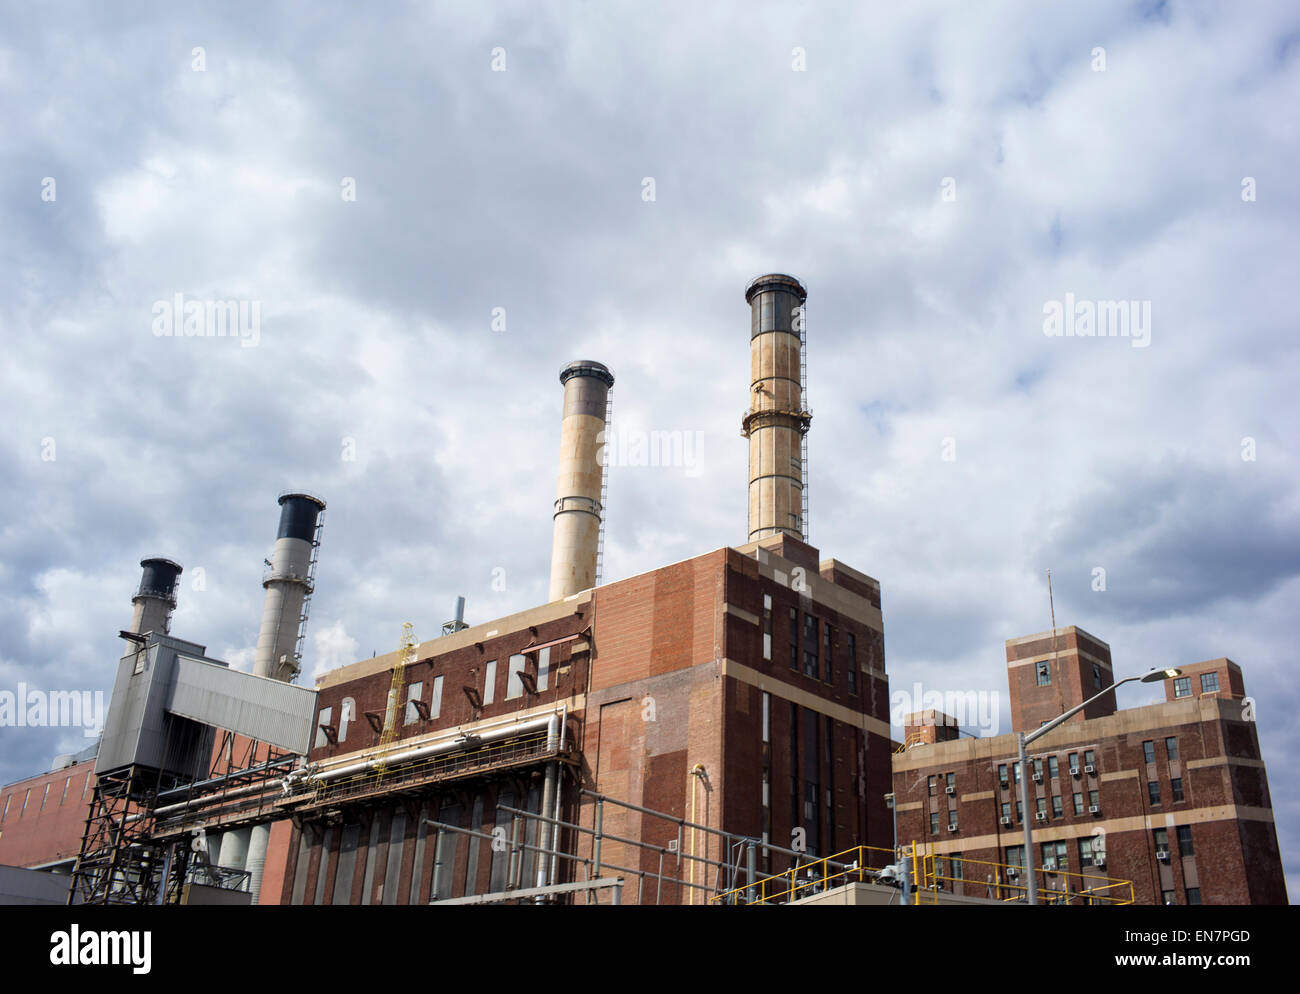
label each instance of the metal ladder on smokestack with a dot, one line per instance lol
(306, 600)
(604, 487)
(803, 403)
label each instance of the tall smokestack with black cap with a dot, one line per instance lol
(288, 586)
(777, 420)
(156, 598)
(578, 511)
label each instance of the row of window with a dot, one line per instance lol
(45, 796)
(812, 645)
(518, 680)
(1088, 768)
(1209, 685)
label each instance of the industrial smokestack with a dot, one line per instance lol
(156, 598)
(577, 493)
(288, 587)
(776, 420)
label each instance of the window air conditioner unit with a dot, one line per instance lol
(1162, 855)
(1049, 864)
(1098, 860)
(1074, 771)
(1094, 809)
(950, 790)
(952, 826)
(1004, 784)
(1006, 819)
(1038, 778)
(1012, 873)
(1090, 769)
(1040, 816)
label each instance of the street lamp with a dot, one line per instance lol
(890, 800)
(1155, 676)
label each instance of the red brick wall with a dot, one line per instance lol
(50, 833)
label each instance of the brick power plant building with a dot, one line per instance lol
(1171, 796)
(661, 739)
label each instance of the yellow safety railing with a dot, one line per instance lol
(859, 864)
(938, 874)
(933, 875)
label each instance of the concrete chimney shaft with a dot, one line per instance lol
(577, 492)
(156, 598)
(776, 420)
(287, 586)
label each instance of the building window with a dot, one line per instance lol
(1090, 758)
(1074, 762)
(1058, 810)
(853, 663)
(1161, 838)
(1209, 683)
(1078, 804)
(934, 822)
(1014, 856)
(543, 668)
(1185, 840)
(490, 683)
(1053, 767)
(952, 818)
(1094, 799)
(827, 633)
(1020, 811)
(1085, 851)
(1176, 786)
(323, 722)
(1040, 805)
(956, 866)
(810, 646)
(1015, 769)
(933, 783)
(1149, 751)
(951, 782)
(1055, 856)
(435, 705)
(767, 626)
(413, 693)
(44, 795)
(1183, 686)
(767, 717)
(1167, 897)
(514, 685)
(1096, 677)
(1002, 774)
(1153, 791)
(1038, 768)
(1193, 895)
(6, 811)
(66, 784)
(1044, 671)
(1006, 810)
(794, 639)
(1171, 748)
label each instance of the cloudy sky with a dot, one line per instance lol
(435, 206)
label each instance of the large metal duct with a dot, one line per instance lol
(288, 585)
(156, 598)
(776, 420)
(577, 492)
